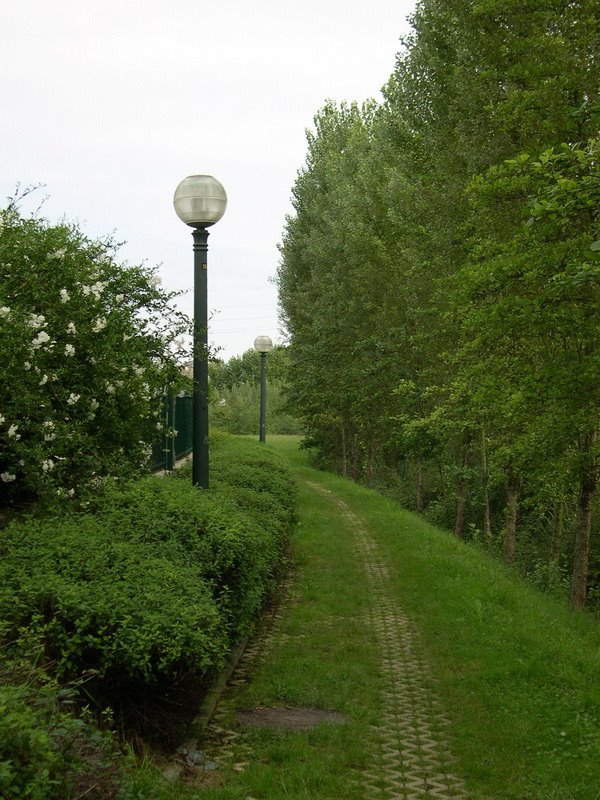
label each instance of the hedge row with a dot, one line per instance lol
(156, 580)
(159, 578)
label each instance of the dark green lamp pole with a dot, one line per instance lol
(200, 201)
(263, 344)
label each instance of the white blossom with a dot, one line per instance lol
(4, 311)
(27, 365)
(138, 370)
(110, 389)
(48, 423)
(94, 404)
(119, 298)
(43, 381)
(73, 398)
(12, 432)
(47, 465)
(64, 296)
(40, 339)
(71, 328)
(85, 290)
(49, 437)
(7, 477)
(99, 324)
(156, 280)
(71, 492)
(57, 254)
(69, 350)
(37, 321)
(2, 419)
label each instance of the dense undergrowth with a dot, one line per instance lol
(137, 601)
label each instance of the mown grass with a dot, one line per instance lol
(516, 671)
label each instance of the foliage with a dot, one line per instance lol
(86, 344)
(47, 753)
(159, 580)
(439, 276)
(235, 393)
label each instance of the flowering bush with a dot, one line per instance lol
(86, 345)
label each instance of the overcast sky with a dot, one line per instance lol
(110, 104)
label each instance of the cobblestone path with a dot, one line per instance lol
(412, 759)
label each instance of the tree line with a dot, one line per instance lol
(440, 280)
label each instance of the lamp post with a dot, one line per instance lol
(263, 344)
(200, 201)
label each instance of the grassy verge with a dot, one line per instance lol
(517, 670)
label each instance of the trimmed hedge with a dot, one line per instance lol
(159, 578)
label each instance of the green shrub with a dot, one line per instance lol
(86, 345)
(46, 753)
(161, 579)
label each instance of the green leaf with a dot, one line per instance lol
(595, 245)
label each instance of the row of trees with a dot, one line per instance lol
(235, 393)
(440, 278)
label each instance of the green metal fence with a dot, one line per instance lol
(176, 439)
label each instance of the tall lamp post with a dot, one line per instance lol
(200, 201)
(263, 344)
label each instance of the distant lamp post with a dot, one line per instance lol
(200, 201)
(263, 344)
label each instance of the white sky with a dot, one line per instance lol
(111, 103)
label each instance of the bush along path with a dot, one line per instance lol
(403, 663)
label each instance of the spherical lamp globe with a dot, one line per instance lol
(200, 201)
(263, 344)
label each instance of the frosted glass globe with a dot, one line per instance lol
(200, 201)
(263, 344)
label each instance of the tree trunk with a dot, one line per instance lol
(581, 548)
(558, 532)
(420, 487)
(487, 522)
(442, 482)
(461, 501)
(344, 454)
(513, 487)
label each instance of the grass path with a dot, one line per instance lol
(457, 679)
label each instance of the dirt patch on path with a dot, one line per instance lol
(412, 760)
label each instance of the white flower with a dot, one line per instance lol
(48, 423)
(64, 296)
(1, 419)
(92, 360)
(73, 398)
(49, 437)
(126, 338)
(156, 280)
(71, 328)
(119, 298)
(138, 370)
(12, 432)
(4, 311)
(57, 254)
(47, 465)
(27, 365)
(94, 404)
(7, 477)
(43, 381)
(37, 321)
(85, 290)
(40, 339)
(110, 389)
(99, 324)
(69, 350)
(71, 492)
